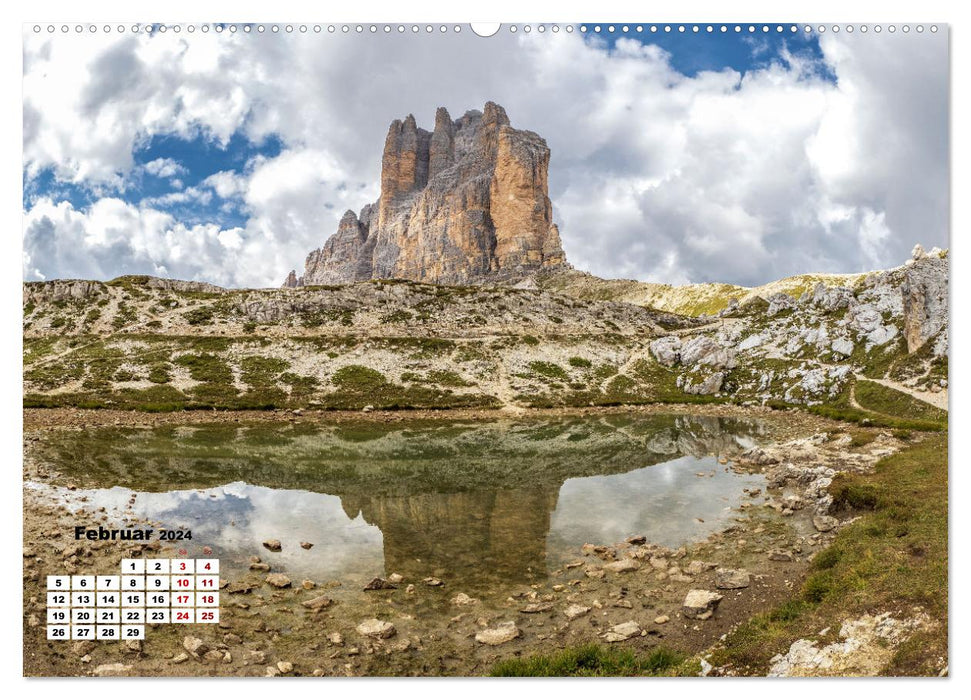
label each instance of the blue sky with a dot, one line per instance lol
(229, 158)
(743, 51)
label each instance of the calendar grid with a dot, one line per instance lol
(145, 592)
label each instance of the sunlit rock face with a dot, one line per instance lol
(465, 203)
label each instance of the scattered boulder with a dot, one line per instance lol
(700, 604)
(781, 555)
(307, 545)
(779, 302)
(661, 619)
(278, 580)
(842, 346)
(377, 629)
(667, 350)
(461, 600)
(195, 646)
(708, 386)
(572, 612)
(621, 566)
(622, 632)
(702, 350)
(318, 603)
(273, 545)
(825, 523)
(379, 584)
(502, 633)
(730, 579)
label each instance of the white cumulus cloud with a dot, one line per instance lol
(654, 174)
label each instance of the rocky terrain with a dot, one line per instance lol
(146, 343)
(634, 593)
(466, 202)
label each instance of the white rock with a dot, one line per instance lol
(378, 629)
(622, 566)
(502, 633)
(700, 604)
(732, 578)
(572, 612)
(621, 632)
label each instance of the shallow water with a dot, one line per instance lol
(472, 502)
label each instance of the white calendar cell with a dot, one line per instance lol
(83, 616)
(133, 616)
(184, 599)
(207, 583)
(133, 599)
(207, 599)
(58, 599)
(107, 616)
(156, 583)
(62, 632)
(183, 583)
(132, 566)
(133, 583)
(157, 599)
(207, 566)
(82, 599)
(111, 599)
(132, 632)
(58, 583)
(109, 583)
(82, 583)
(183, 566)
(58, 616)
(82, 632)
(183, 616)
(207, 615)
(157, 616)
(109, 632)
(156, 566)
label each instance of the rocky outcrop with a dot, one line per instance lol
(924, 293)
(465, 203)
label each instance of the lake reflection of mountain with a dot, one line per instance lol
(473, 501)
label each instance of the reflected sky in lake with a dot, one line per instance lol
(477, 531)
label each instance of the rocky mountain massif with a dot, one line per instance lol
(466, 202)
(141, 342)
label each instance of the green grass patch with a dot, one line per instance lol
(549, 370)
(893, 558)
(885, 400)
(590, 660)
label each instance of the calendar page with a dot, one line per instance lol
(515, 349)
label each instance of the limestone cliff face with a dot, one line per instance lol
(465, 203)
